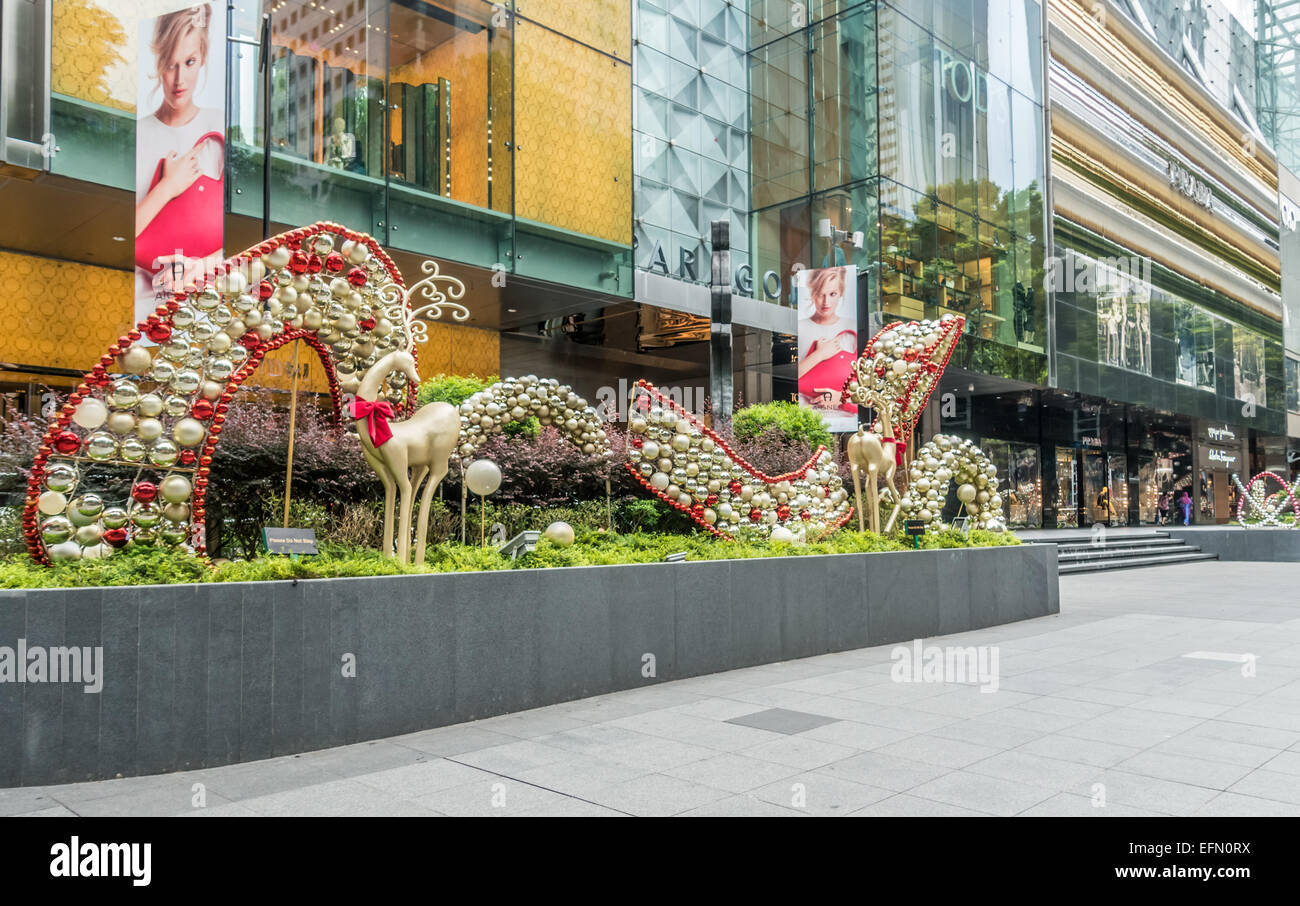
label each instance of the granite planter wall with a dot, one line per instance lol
(1237, 543)
(198, 676)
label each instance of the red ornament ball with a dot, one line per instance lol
(314, 264)
(145, 492)
(711, 499)
(755, 514)
(202, 410)
(265, 290)
(115, 537)
(159, 333)
(67, 442)
(334, 262)
(187, 457)
(299, 262)
(735, 487)
(357, 276)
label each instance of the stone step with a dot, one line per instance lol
(1109, 553)
(1117, 543)
(1088, 566)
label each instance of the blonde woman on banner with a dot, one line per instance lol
(180, 153)
(828, 341)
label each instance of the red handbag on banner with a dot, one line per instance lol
(191, 222)
(831, 375)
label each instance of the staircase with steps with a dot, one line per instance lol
(1086, 553)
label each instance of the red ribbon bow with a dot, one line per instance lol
(898, 449)
(376, 416)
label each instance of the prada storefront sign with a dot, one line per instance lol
(1184, 181)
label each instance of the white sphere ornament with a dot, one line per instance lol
(91, 413)
(68, 550)
(175, 489)
(559, 533)
(482, 477)
(783, 535)
(51, 503)
(188, 432)
(966, 493)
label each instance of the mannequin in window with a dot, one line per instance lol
(1023, 304)
(340, 146)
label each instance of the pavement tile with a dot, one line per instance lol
(886, 771)
(657, 795)
(982, 793)
(490, 797)
(1217, 775)
(903, 805)
(731, 772)
(821, 794)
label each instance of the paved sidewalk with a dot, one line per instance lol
(1131, 697)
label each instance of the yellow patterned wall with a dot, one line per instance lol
(573, 135)
(60, 314)
(457, 349)
(603, 24)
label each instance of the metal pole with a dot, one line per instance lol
(721, 391)
(293, 420)
(266, 125)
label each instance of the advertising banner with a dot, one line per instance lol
(828, 341)
(179, 151)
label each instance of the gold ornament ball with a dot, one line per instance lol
(135, 360)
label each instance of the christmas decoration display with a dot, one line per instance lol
(900, 368)
(419, 450)
(1265, 508)
(940, 463)
(895, 376)
(154, 405)
(689, 467)
(516, 399)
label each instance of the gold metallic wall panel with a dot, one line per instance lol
(1142, 66)
(573, 136)
(603, 24)
(463, 62)
(1074, 142)
(1077, 200)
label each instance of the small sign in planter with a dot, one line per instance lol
(290, 540)
(914, 529)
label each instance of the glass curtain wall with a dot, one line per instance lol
(454, 128)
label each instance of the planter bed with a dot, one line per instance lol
(209, 674)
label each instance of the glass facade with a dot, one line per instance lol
(458, 128)
(920, 127)
(691, 130)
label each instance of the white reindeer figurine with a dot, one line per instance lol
(404, 453)
(876, 455)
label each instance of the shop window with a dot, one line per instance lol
(1248, 366)
(1292, 384)
(1067, 488)
(1194, 335)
